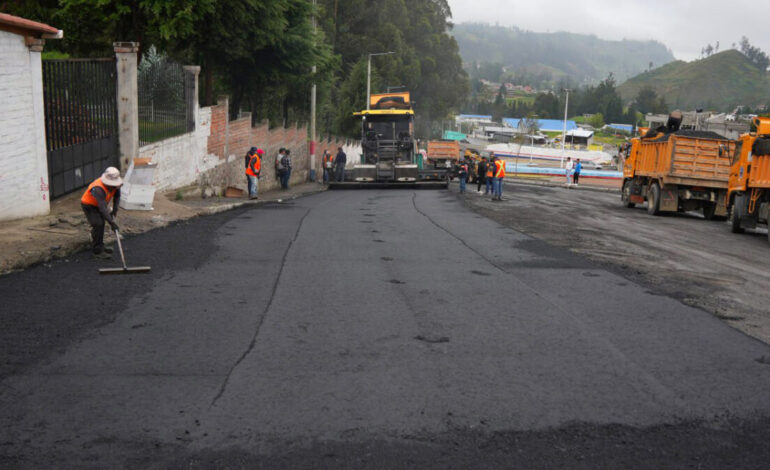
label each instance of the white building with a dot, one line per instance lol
(23, 159)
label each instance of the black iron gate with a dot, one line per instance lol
(81, 121)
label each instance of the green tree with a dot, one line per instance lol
(646, 100)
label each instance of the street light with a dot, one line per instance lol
(564, 132)
(369, 75)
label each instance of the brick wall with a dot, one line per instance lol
(213, 155)
(23, 163)
(218, 138)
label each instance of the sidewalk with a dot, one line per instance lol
(65, 231)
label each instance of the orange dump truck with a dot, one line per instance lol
(678, 170)
(748, 194)
(442, 151)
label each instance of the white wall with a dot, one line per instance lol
(183, 158)
(23, 161)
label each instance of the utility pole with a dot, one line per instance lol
(369, 75)
(564, 132)
(313, 102)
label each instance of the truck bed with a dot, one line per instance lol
(686, 160)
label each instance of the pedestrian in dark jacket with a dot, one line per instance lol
(339, 164)
(481, 174)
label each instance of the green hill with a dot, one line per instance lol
(584, 59)
(719, 82)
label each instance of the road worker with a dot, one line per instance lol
(499, 176)
(481, 173)
(95, 204)
(328, 163)
(490, 175)
(253, 168)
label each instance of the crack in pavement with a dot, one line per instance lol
(481, 255)
(264, 313)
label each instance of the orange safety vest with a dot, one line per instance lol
(89, 200)
(490, 172)
(257, 165)
(328, 160)
(499, 169)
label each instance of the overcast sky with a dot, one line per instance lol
(684, 26)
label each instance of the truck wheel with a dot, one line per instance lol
(709, 208)
(653, 200)
(739, 207)
(625, 195)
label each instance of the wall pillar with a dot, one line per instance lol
(191, 74)
(128, 102)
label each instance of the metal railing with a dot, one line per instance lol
(165, 91)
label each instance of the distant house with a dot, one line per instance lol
(579, 137)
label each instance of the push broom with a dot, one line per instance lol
(125, 269)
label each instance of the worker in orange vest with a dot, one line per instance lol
(490, 175)
(95, 204)
(328, 164)
(253, 168)
(498, 181)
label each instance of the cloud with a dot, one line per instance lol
(684, 26)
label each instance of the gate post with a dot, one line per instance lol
(128, 102)
(191, 95)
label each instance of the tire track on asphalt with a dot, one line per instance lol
(253, 342)
(658, 391)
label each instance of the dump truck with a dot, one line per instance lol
(748, 192)
(441, 160)
(389, 158)
(675, 170)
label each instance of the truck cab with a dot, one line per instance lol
(748, 192)
(387, 140)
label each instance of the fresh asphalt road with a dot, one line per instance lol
(382, 329)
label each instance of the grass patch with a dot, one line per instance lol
(150, 131)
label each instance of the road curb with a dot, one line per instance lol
(561, 185)
(34, 257)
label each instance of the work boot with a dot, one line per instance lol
(102, 255)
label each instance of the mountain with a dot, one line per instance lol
(585, 59)
(719, 82)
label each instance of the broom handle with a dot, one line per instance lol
(120, 248)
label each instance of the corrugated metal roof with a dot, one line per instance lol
(621, 127)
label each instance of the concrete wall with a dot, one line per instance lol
(213, 155)
(23, 159)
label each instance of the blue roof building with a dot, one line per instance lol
(551, 125)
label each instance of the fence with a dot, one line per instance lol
(165, 96)
(80, 121)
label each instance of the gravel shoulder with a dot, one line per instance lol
(699, 262)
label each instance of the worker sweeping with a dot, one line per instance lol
(96, 205)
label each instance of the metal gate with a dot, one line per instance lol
(81, 121)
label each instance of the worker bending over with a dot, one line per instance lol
(95, 203)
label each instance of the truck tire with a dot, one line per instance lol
(738, 209)
(709, 209)
(625, 195)
(653, 199)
